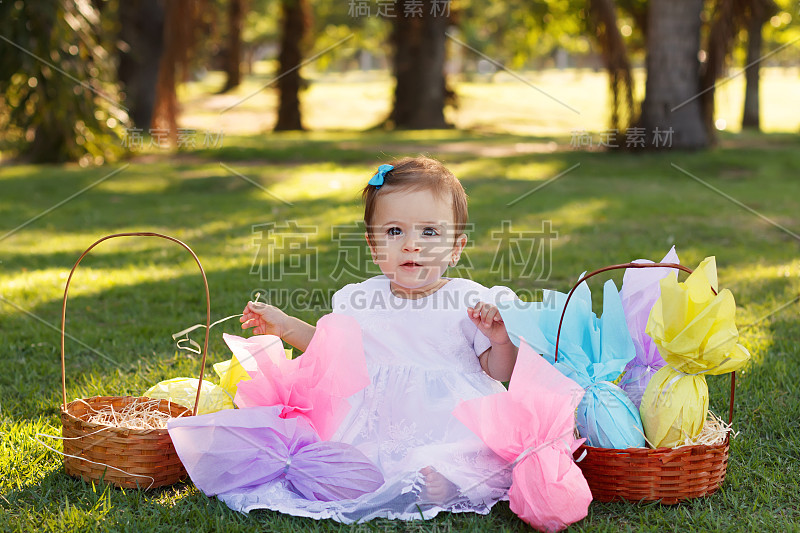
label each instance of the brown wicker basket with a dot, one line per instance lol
(124, 457)
(667, 474)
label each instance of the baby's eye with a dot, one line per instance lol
(394, 231)
(430, 232)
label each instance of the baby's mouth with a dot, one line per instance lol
(410, 264)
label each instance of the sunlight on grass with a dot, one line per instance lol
(780, 281)
(44, 242)
(136, 185)
(15, 171)
(48, 285)
(552, 102)
(366, 104)
(32, 287)
(758, 272)
(172, 496)
(572, 217)
(533, 171)
(320, 181)
(757, 340)
(24, 461)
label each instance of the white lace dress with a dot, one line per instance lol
(422, 357)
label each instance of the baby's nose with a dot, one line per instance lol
(411, 245)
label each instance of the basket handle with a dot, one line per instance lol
(66, 291)
(636, 265)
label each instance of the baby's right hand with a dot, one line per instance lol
(266, 319)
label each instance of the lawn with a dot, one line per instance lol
(737, 202)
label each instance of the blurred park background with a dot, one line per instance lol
(89, 81)
(586, 133)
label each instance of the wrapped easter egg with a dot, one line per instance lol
(592, 352)
(183, 391)
(674, 407)
(607, 418)
(696, 335)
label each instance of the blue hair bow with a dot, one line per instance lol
(378, 178)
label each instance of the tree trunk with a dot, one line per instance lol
(671, 92)
(296, 23)
(751, 118)
(233, 53)
(165, 110)
(419, 46)
(183, 25)
(603, 19)
(142, 30)
(50, 137)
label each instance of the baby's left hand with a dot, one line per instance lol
(487, 318)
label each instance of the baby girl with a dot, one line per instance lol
(430, 342)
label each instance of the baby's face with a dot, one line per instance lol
(413, 238)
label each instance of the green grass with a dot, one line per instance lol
(129, 295)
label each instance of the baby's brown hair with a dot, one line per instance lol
(414, 174)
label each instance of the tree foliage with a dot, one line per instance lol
(522, 34)
(60, 100)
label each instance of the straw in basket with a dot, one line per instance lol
(667, 474)
(122, 456)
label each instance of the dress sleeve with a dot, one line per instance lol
(498, 293)
(480, 343)
(339, 300)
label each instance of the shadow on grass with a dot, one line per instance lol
(87, 506)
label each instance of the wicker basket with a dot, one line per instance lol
(667, 474)
(124, 457)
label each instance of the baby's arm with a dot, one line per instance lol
(269, 320)
(498, 361)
